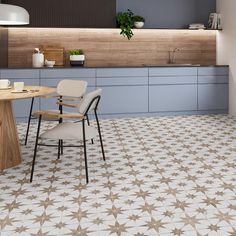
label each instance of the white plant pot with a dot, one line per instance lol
(77, 60)
(138, 24)
(77, 57)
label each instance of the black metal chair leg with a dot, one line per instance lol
(85, 152)
(60, 121)
(87, 118)
(35, 149)
(29, 121)
(100, 135)
(59, 149)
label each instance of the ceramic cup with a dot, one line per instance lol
(4, 83)
(19, 86)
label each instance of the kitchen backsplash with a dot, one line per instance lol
(106, 47)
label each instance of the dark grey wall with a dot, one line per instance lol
(3, 47)
(169, 13)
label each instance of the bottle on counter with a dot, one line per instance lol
(37, 58)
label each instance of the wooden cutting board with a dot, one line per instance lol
(54, 54)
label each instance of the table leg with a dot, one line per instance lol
(10, 151)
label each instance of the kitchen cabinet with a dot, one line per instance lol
(136, 91)
(75, 13)
(213, 88)
(170, 98)
(172, 89)
(125, 90)
(213, 96)
(29, 77)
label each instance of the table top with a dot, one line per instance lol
(31, 91)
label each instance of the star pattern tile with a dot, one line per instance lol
(163, 176)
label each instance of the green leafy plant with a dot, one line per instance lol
(138, 19)
(126, 23)
(76, 52)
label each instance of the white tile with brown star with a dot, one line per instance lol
(162, 176)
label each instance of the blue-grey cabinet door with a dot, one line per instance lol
(172, 98)
(124, 99)
(22, 107)
(213, 96)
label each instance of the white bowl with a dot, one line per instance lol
(49, 63)
(138, 24)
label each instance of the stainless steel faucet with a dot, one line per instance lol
(172, 55)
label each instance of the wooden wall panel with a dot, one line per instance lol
(105, 47)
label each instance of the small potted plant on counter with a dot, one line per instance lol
(77, 57)
(138, 21)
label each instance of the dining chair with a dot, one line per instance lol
(70, 130)
(69, 90)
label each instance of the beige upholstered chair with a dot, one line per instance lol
(67, 90)
(69, 130)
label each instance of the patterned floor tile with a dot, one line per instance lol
(162, 176)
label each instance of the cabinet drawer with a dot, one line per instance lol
(68, 73)
(121, 99)
(172, 71)
(54, 82)
(217, 79)
(213, 96)
(172, 98)
(122, 72)
(19, 74)
(213, 70)
(116, 81)
(173, 80)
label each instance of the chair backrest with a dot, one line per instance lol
(72, 88)
(90, 101)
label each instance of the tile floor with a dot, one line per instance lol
(163, 176)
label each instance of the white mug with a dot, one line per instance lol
(19, 86)
(4, 83)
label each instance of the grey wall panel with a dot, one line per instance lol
(169, 13)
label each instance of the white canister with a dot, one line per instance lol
(38, 60)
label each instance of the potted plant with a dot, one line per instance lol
(138, 21)
(77, 57)
(126, 23)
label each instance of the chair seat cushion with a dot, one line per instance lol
(69, 131)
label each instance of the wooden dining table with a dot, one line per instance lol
(10, 150)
